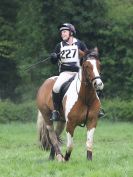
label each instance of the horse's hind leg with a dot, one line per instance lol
(55, 148)
(47, 135)
(58, 130)
(59, 127)
(52, 153)
(42, 132)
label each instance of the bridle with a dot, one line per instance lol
(97, 77)
(88, 81)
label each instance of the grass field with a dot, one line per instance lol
(112, 157)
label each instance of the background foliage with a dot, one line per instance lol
(24, 112)
(29, 33)
(116, 110)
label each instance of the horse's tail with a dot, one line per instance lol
(42, 132)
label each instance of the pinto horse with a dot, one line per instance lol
(80, 104)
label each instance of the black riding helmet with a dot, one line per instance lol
(68, 26)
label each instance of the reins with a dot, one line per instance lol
(37, 63)
(33, 65)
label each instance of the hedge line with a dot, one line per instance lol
(24, 112)
(116, 110)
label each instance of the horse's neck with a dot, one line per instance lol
(87, 93)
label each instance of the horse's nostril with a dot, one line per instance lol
(100, 86)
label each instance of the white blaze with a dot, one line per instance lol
(93, 62)
(98, 81)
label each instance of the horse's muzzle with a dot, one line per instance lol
(98, 84)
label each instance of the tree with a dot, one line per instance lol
(9, 78)
(38, 33)
(117, 50)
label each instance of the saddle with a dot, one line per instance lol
(65, 87)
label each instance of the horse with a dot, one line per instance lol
(80, 105)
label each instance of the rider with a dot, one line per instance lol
(67, 54)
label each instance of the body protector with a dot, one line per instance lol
(69, 57)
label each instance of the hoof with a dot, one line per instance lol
(89, 155)
(52, 154)
(60, 158)
(67, 156)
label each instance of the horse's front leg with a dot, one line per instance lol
(69, 132)
(55, 143)
(91, 126)
(89, 142)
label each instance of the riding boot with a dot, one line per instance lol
(56, 103)
(101, 113)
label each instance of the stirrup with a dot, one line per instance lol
(55, 116)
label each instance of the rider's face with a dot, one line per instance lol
(65, 34)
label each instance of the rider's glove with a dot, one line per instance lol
(53, 57)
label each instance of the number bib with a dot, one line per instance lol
(69, 54)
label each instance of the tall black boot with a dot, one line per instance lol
(101, 113)
(56, 103)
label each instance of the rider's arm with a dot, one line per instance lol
(94, 53)
(82, 50)
(56, 54)
(91, 52)
(82, 46)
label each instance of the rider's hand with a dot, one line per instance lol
(53, 57)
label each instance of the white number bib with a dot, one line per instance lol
(69, 54)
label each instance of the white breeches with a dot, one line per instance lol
(62, 78)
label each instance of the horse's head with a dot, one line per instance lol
(91, 72)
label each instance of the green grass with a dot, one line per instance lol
(112, 157)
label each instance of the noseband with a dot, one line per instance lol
(98, 77)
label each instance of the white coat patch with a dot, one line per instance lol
(89, 142)
(69, 141)
(72, 94)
